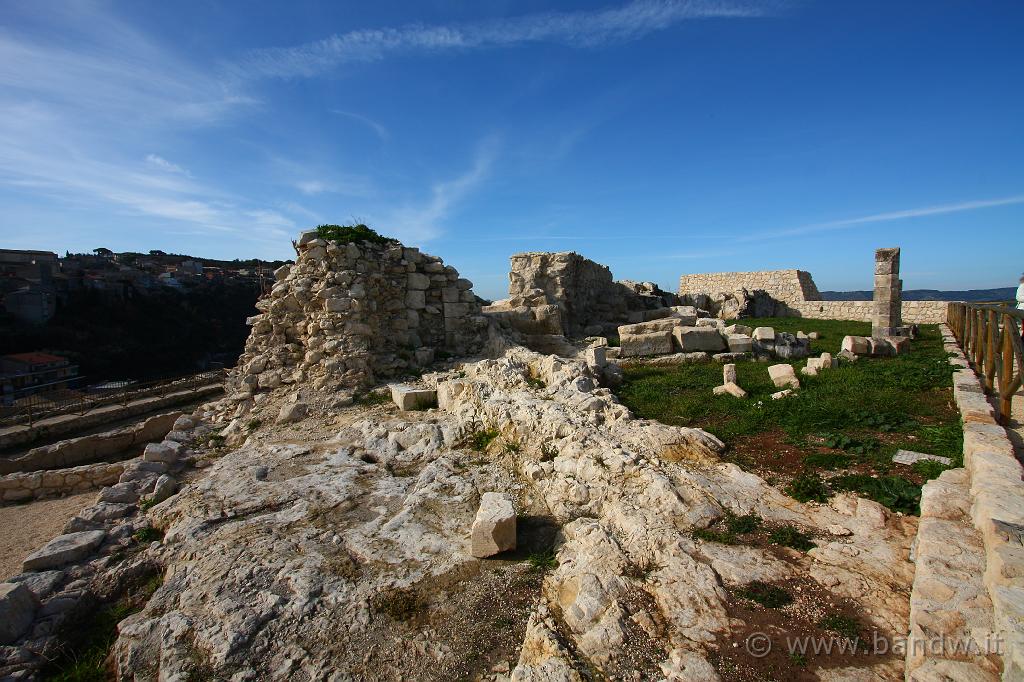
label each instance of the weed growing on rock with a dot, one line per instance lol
(548, 452)
(147, 534)
(481, 440)
(712, 535)
(741, 525)
(765, 594)
(898, 494)
(543, 561)
(843, 626)
(791, 536)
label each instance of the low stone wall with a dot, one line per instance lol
(788, 286)
(76, 423)
(969, 586)
(913, 312)
(90, 448)
(39, 484)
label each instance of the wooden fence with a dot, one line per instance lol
(991, 338)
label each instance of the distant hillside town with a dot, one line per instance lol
(99, 317)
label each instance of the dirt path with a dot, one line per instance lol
(26, 527)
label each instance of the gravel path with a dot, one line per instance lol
(26, 527)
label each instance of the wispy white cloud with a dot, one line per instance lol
(379, 130)
(577, 29)
(165, 165)
(422, 223)
(889, 216)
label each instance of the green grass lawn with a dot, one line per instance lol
(845, 422)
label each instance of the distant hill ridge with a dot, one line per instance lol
(1000, 294)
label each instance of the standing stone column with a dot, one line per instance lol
(885, 319)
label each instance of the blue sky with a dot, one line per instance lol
(654, 136)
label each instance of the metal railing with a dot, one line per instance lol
(36, 406)
(991, 338)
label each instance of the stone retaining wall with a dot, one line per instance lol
(90, 448)
(913, 312)
(991, 518)
(76, 423)
(39, 484)
(788, 286)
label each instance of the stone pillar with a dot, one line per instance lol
(885, 318)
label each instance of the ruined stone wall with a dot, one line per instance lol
(581, 291)
(913, 312)
(356, 313)
(788, 286)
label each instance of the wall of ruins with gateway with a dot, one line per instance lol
(797, 290)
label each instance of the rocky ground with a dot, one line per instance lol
(336, 546)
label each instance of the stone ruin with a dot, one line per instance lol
(886, 320)
(353, 314)
(565, 294)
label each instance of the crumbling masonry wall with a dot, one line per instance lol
(569, 294)
(356, 313)
(788, 286)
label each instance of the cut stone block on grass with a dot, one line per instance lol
(764, 334)
(408, 398)
(909, 457)
(738, 329)
(690, 339)
(494, 527)
(64, 549)
(730, 388)
(782, 375)
(782, 394)
(637, 345)
(858, 345)
(739, 343)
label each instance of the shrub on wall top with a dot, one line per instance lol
(345, 234)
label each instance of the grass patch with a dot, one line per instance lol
(791, 536)
(827, 460)
(254, 424)
(712, 535)
(808, 487)
(929, 468)
(896, 493)
(741, 525)
(765, 594)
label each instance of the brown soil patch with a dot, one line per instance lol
(741, 654)
(27, 527)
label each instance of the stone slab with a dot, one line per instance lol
(909, 457)
(64, 549)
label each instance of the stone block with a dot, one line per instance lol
(494, 527)
(636, 345)
(738, 329)
(418, 281)
(596, 356)
(168, 452)
(738, 343)
(690, 339)
(686, 314)
(409, 398)
(663, 325)
(909, 457)
(415, 299)
(292, 412)
(730, 388)
(448, 391)
(64, 549)
(858, 345)
(880, 347)
(764, 334)
(17, 610)
(782, 375)
(827, 362)
(899, 344)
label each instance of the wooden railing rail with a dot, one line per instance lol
(990, 336)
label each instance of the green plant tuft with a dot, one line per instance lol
(808, 486)
(791, 536)
(765, 594)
